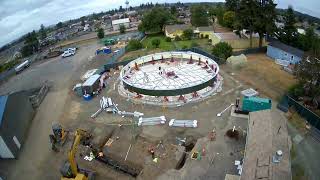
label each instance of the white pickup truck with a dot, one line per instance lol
(22, 66)
(69, 52)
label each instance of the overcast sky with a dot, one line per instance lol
(18, 17)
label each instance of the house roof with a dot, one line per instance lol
(205, 28)
(3, 102)
(172, 28)
(264, 138)
(286, 48)
(227, 36)
(121, 21)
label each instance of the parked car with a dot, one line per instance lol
(72, 49)
(22, 66)
(68, 53)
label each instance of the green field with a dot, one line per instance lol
(169, 46)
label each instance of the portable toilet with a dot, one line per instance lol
(103, 50)
(255, 104)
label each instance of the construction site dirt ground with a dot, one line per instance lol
(37, 161)
(78, 112)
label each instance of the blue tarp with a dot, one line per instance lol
(3, 102)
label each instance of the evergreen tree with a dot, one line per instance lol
(265, 18)
(42, 32)
(232, 5)
(100, 33)
(289, 33)
(246, 16)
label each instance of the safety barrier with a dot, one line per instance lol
(312, 118)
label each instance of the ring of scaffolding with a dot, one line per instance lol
(174, 76)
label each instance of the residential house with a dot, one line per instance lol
(279, 51)
(236, 41)
(204, 31)
(117, 23)
(176, 30)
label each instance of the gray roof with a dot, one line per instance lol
(172, 28)
(3, 102)
(205, 28)
(286, 48)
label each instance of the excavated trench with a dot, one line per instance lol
(188, 147)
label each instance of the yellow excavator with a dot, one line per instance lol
(59, 136)
(70, 169)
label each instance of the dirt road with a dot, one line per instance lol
(62, 73)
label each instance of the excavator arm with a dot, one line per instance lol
(72, 164)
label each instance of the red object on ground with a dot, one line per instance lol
(182, 98)
(195, 94)
(170, 73)
(205, 67)
(139, 96)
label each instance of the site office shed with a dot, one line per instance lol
(16, 113)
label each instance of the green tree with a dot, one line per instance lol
(222, 50)
(177, 38)
(155, 42)
(122, 29)
(59, 25)
(246, 16)
(308, 72)
(229, 18)
(173, 10)
(168, 39)
(154, 21)
(187, 34)
(133, 45)
(265, 19)
(199, 16)
(42, 32)
(289, 33)
(307, 41)
(100, 33)
(31, 44)
(232, 5)
(218, 12)
(83, 23)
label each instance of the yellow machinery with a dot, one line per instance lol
(70, 170)
(58, 137)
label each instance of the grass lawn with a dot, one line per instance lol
(264, 75)
(167, 46)
(164, 46)
(173, 45)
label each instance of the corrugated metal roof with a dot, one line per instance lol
(227, 36)
(120, 21)
(92, 79)
(286, 48)
(3, 102)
